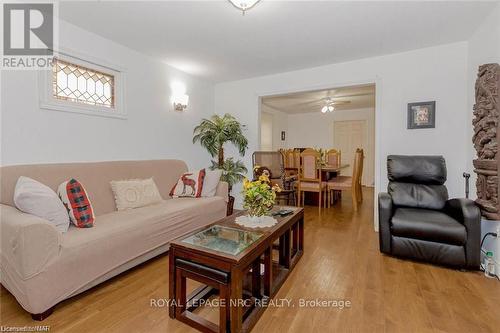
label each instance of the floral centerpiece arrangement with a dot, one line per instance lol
(259, 194)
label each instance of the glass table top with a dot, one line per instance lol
(223, 239)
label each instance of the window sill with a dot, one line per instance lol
(48, 102)
(87, 110)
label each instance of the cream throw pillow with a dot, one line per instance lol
(135, 193)
(212, 179)
(35, 198)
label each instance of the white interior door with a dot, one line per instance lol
(347, 136)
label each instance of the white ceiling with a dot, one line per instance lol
(345, 98)
(211, 39)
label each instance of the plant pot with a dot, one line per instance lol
(230, 205)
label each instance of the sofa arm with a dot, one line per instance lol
(384, 221)
(222, 190)
(466, 212)
(29, 243)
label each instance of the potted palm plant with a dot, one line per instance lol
(213, 134)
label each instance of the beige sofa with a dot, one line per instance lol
(41, 266)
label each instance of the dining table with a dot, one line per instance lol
(328, 171)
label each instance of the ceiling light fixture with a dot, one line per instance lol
(329, 107)
(244, 5)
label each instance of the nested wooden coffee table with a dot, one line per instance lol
(236, 263)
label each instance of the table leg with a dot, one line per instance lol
(284, 259)
(180, 293)
(295, 237)
(268, 271)
(224, 309)
(171, 280)
(301, 234)
(256, 278)
(236, 308)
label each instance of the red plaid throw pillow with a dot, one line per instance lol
(76, 200)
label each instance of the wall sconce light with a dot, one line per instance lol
(181, 102)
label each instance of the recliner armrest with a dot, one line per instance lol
(463, 210)
(385, 212)
(467, 212)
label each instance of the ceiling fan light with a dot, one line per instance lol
(243, 5)
(330, 108)
(324, 109)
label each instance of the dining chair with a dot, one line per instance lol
(342, 183)
(333, 157)
(292, 159)
(286, 163)
(310, 177)
(291, 171)
(296, 159)
(274, 162)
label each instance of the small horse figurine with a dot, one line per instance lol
(188, 182)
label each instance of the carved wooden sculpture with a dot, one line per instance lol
(486, 138)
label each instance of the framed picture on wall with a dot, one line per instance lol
(421, 115)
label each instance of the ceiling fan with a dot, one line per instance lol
(330, 104)
(314, 100)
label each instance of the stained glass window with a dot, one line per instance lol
(80, 84)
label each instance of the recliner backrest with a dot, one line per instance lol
(417, 181)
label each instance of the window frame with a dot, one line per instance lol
(49, 102)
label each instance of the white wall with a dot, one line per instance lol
(484, 47)
(266, 131)
(280, 123)
(316, 130)
(437, 73)
(153, 129)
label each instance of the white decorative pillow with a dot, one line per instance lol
(212, 179)
(190, 184)
(35, 198)
(135, 193)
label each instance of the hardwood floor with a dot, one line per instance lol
(341, 262)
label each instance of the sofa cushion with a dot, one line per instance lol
(429, 225)
(153, 225)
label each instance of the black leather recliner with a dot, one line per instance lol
(418, 221)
